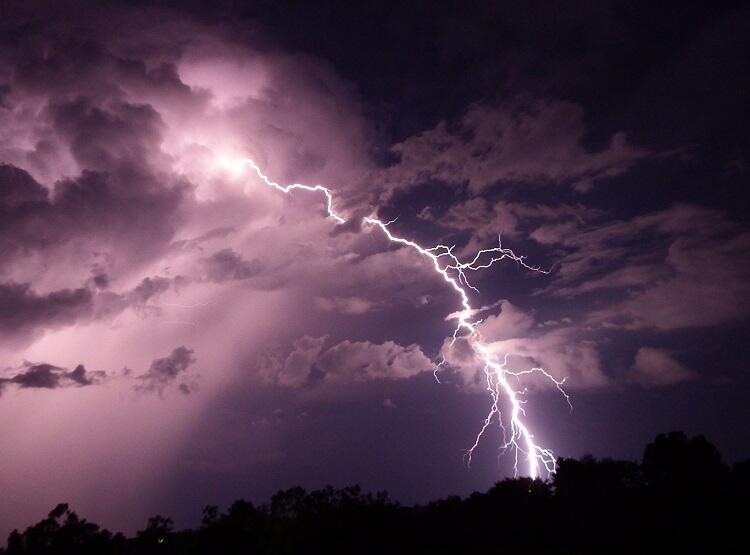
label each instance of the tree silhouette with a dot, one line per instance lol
(681, 499)
(63, 532)
(676, 462)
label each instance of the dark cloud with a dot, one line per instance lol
(24, 213)
(165, 371)
(23, 311)
(656, 70)
(149, 288)
(18, 188)
(48, 376)
(101, 280)
(96, 149)
(52, 56)
(39, 376)
(80, 376)
(119, 137)
(228, 265)
(133, 211)
(685, 266)
(132, 214)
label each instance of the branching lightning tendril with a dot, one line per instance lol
(516, 434)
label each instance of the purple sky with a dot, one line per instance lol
(174, 333)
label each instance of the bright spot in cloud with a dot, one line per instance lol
(234, 167)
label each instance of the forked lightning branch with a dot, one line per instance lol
(516, 434)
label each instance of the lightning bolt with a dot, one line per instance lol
(516, 435)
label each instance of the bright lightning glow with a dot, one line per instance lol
(233, 166)
(518, 437)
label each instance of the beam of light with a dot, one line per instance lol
(516, 435)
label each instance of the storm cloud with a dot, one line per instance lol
(165, 371)
(596, 142)
(48, 376)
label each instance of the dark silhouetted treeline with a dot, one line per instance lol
(681, 499)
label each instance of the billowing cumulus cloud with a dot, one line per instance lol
(347, 361)
(163, 372)
(658, 367)
(295, 369)
(362, 360)
(523, 141)
(562, 349)
(509, 322)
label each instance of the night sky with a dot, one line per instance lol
(174, 333)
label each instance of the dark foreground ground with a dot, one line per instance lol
(680, 499)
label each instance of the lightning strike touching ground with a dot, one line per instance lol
(518, 437)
